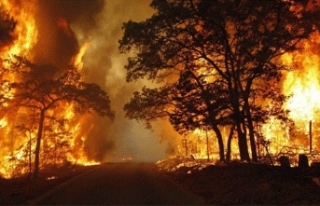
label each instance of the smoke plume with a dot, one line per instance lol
(64, 26)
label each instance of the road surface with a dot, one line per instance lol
(120, 183)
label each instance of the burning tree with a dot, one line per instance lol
(188, 103)
(41, 88)
(238, 44)
(199, 106)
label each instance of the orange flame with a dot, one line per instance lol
(77, 60)
(18, 144)
(304, 85)
(26, 26)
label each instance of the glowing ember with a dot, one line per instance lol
(51, 178)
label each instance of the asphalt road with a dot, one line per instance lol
(120, 184)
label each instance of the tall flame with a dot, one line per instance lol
(25, 37)
(17, 145)
(304, 83)
(24, 14)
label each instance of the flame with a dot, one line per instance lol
(3, 122)
(77, 60)
(25, 37)
(18, 131)
(26, 25)
(18, 145)
(303, 85)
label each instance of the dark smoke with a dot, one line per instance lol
(7, 26)
(55, 46)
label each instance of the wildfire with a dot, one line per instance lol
(23, 13)
(18, 129)
(78, 59)
(21, 46)
(303, 86)
(304, 83)
(66, 129)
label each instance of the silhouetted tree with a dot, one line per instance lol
(41, 88)
(238, 42)
(201, 103)
(188, 103)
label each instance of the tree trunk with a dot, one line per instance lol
(30, 155)
(38, 144)
(220, 141)
(242, 143)
(239, 122)
(228, 155)
(251, 133)
(241, 130)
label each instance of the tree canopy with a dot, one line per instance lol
(224, 53)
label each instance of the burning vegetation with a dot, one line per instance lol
(239, 80)
(43, 105)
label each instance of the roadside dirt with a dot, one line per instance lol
(21, 190)
(251, 184)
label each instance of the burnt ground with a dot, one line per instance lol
(251, 184)
(21, 190)
(233, 184)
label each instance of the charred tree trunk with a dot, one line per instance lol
(38, 144)
(220, 141)
(205, 94)
(251, 133)
(30, 156)
(242, 136)
(242, 142)
(239, 121)
(228, 155)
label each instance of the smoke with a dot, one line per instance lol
(57, 42)
(64, 26)
(103, 64)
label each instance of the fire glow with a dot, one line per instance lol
(18, 145)
(303, 86)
